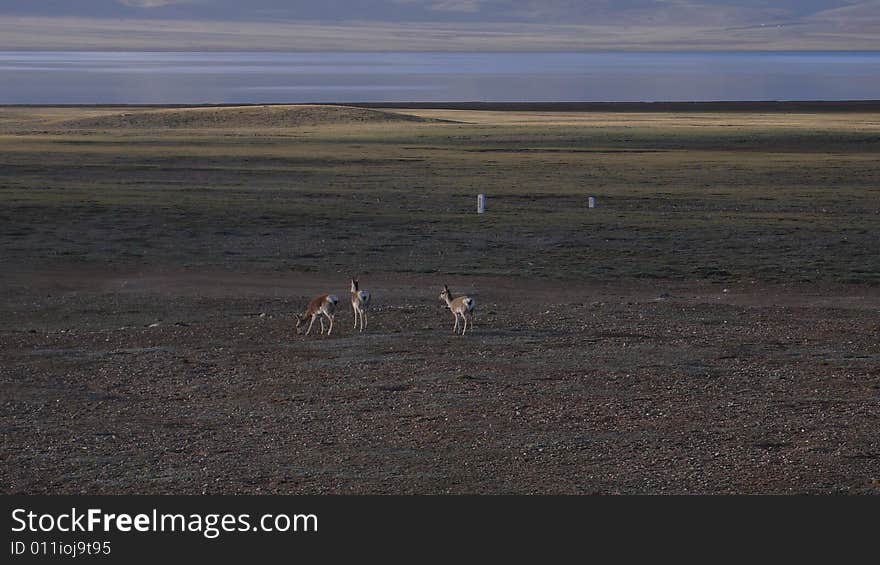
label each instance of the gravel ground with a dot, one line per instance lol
(195, 382)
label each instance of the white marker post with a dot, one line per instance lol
(591, 202)
(481, 203)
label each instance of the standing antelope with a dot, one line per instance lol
(462, 306)
(320, 307)
(360, 301)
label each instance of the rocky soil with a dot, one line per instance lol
(191, 382)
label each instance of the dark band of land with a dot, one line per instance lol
(802, 106)
(719, 106)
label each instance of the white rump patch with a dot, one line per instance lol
(332, 298)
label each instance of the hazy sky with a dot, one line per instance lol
(535, 11)
(443, 24)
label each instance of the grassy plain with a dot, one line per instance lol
(773, 197)
(711, 327)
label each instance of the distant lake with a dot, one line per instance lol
(186, 78)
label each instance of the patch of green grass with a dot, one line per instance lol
(776, 203)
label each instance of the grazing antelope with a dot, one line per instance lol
(462, 306)
(360, 301)
(320, 307)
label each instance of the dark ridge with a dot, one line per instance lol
(817, 106)
(241, 116)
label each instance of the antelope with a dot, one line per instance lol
(320, 307)
(462, 306)
(360, 301)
